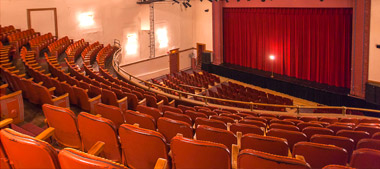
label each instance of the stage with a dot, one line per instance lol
(320, 93)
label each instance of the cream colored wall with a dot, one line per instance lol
(374, 53)
(203, 23)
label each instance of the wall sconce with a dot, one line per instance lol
(132, 44)
(86, 19)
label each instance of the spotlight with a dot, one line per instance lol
(188, 4)
(184, 4)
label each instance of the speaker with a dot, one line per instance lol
(206, 57)
(372, 93)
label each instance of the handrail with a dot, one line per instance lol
(251, 104)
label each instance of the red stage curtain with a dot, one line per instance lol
(311, 44)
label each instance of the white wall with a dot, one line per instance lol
(203, 23)
(374, 53)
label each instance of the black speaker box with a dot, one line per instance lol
(206, 57)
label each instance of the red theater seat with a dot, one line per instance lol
(210, 122)
(142, 147)
(370, 129)
(330, 120)
(369, 143)
(84, 101)
(283, 126)
(144, 120)
(268, 144)
(246, 128)
(259, 160)
(216, 135)
(320, 155)
(275, 121)
(65, 123)
(154, 112)
(223, 119)
(332, 166)
(308, 124)
(292, 137)
(189, 153)
(181, 117)
(172, 109)
(336, 127)
(310, 131)
(365, 158)
(112, 113)
(93, 129)
(354, 135)
(170, 128)
(308, 119)
(253, 122)
(338, 141)
(194, 115)
(184, 108)
(71, 158)
(376, 136)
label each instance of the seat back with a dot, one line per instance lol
(283, 126)
(338, 141)
(184, 108)
(268, 144)
(27, 152)
(292, 137)
(141, 147)
(365, 158)
(170, 108)
(253, 122)
(93, 129)
(310, 131)
(246, 128)
(376, 136)
(354, 135)
(144, 120)
(109, 97)
(330, 120)
(210, 122)
(189, 153)
(68, 89)
(71, 158)
(82, 97)
(170, 127)
(369, 143)
(223, 119)
(110, 112)
(181, 117)
(308, 124)
(370, 129)
(193, 114)
(275, 121)
(154, 112)
(336, 127)
(248, 158)
(151, 101)
(64, 121)
(320, 155)
(216, 135)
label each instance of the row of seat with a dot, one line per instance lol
(104, 54)
(37, 153)
(75, 49)
(19, 39)
(59, 46)
(7, 30)
(41, 42)
(90, 52)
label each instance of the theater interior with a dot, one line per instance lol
(190, 84)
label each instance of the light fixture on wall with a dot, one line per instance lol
(86, 19)
(132, 44)
(162, 37)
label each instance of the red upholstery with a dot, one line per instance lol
(184, 108)
(268, 144)
(332, 166)
(172, 109)
(330, 120)
(370, 129)
(310, 131)
(354, 135)
(223, 119)
(71, 158)
(144, 120)
(336, 127)
(93, 129)
(181, 117)
(255, 159)
(84, 101)
(324, 124)
(112, 113)
(246, 128)
(64, 121)
(282, 117)
(216, 135)
(253, 122)
(154, 112)
(194, 115)
(256, 118)
(320, 155)
(207, 112)
(142, 147)
(275, 121)
(376, 136)
(151, 101)
(369, 143)
(110, 98)
(338, 141)
(233, 116)
(349, 120)
(27, 152)
(189, 153)
(292, 137)
(368, 120)
(210, 122)
(170, 127)
(307, 119)
(284, 126)
(308, 124)
(295, 121)
(365, 158)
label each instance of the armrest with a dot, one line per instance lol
(61, 97)
(40, 83)
(172, 103)
(160, 103)
(96, 148)
(123, 99)
(228, 126)
(4, 86)
(5, 122)
(142, 102)
(95, 98)
(234, 156)
(16, 71)
(239, 135)
(51, 89)
(300, 157)
(161, 164)
(46, 134)
(22, 75)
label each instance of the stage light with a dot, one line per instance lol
(271, 57)
(86, 19)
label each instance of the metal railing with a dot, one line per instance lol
(206, 99)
